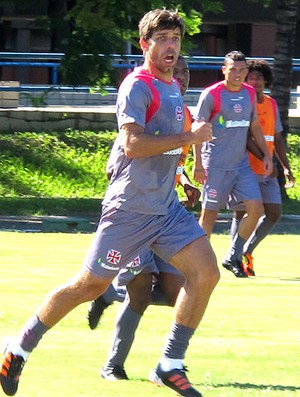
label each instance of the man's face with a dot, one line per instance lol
(256, 79)
(182, 74)
(235, 73)
(163, 48)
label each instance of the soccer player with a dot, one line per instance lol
(260, 77)
(151, 280)
(140, 209)
(223, 163)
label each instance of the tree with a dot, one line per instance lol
(286, 18)
(103, 27)
(107, 26)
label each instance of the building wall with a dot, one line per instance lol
(263, 40)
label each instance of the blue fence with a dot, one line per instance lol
(52, 61)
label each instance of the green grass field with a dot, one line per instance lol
(248, 343)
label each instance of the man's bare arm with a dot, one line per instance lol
(137, 144)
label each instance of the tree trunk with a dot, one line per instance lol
(60, 29)
(286, 18)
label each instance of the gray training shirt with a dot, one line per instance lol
(145, 185)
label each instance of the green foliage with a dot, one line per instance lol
(105, 27)
(293, 153)
(37, 100)
(192, 22)
(70, 164)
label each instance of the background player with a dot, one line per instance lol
(230, 106)
(260, 77)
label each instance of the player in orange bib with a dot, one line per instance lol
(182, 74)
(260, 77)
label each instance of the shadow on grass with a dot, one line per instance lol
(244, 386)
(279, 278)
(290, 279)
(237, 385)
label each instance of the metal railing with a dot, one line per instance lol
(53, 61)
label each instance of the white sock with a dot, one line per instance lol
(167, 364)
(16, 349)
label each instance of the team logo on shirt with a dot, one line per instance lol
(237, 108)
(113, 257)
(179, 113)
(221, 121)
(237, 123)
(174, 152)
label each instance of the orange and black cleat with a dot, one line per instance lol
(175, 379)
(10, 372)
(247, 264)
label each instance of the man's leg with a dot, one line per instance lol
(169, 285)
(233, 259)
(254, 210)
(207, 220)
(103, 301)
(82, 288)
(264, 226)
(236, 218)
(138, 299)
(197, 262)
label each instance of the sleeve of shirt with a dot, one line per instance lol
(204, 107)
(134, 98)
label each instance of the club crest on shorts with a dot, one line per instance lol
(135, 263)
(113, 257)
(212, 193)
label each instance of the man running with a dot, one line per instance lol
(140, 209)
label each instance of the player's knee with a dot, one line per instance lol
(214, 275)
(140, 304)
(273, 213)
(256, 209)
(209, 275)
(274, 217)
(87, 287)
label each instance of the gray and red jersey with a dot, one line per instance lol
(145, 185)
(231, 113)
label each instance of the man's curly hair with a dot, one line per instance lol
(263, 67)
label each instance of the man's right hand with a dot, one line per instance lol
(202, 131)
(198, 174)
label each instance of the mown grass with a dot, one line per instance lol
(63, 173)
(247, 345)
